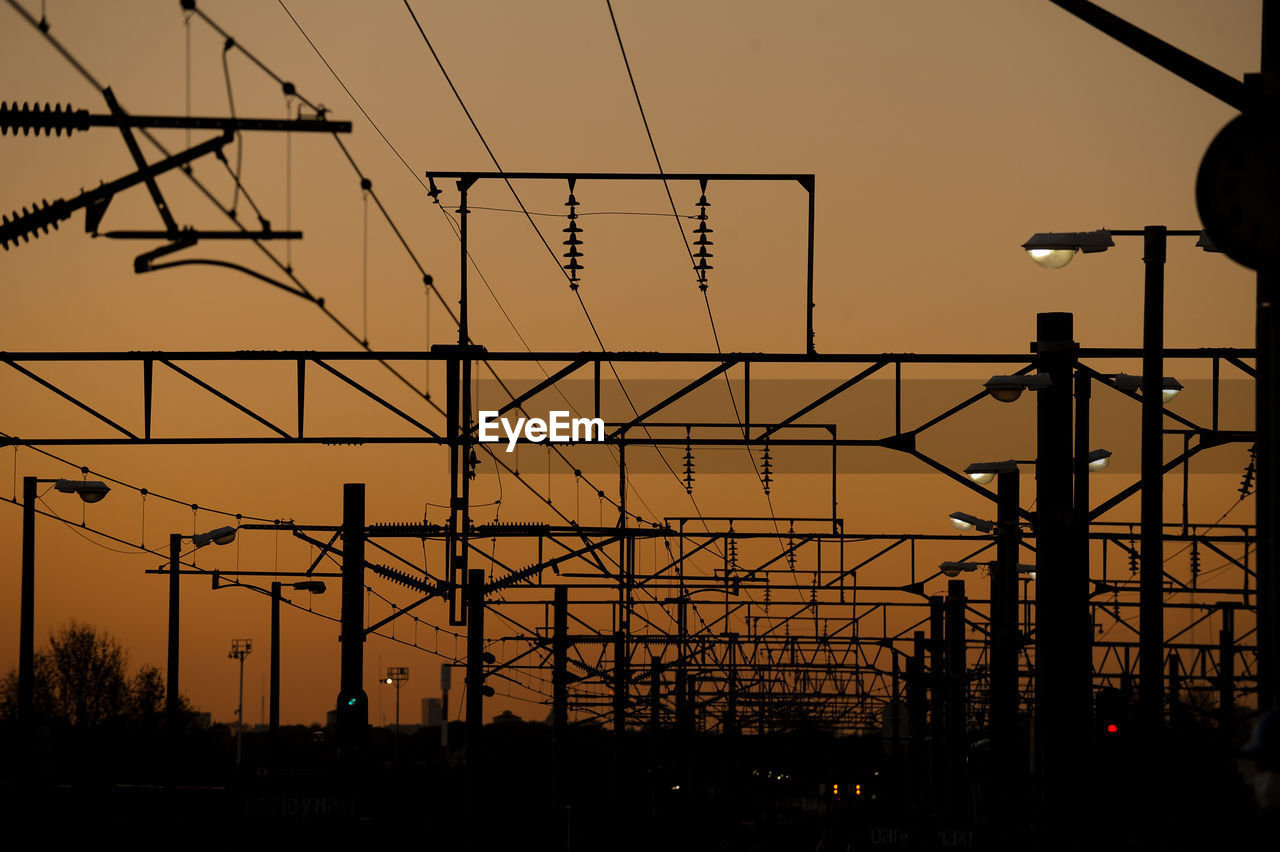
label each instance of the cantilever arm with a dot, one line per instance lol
(1195, 71)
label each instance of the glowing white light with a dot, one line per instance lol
(1052, 258)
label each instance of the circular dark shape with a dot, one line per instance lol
(1238, 192)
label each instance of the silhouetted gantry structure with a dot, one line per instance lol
(740, 623)
(743, 622)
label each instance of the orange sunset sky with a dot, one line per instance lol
(942, 135)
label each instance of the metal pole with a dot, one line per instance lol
(731, 706)
(916, 715)
(1063, 682)
(274, 721)
(27, 618)
(454, 556)
(172, 701)
(463, 333)
(395, 743)
(560, 687)
(809, 343)
(1267, 427)
(684, 715)
(560, 662)
(1151, 580)
(957, 672)
(475, 666)
(1226, 671)
(1005, 639)
(895, 703)
(353, 703)
(621, 677)
(1080, 511)
(655, 693)
(1267, 471)
(937, 701)
(240, 716)
(446, 676)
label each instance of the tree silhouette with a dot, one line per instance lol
(82, 680)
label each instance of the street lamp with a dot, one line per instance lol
(1169, 386)
(314, 586)
(983, 472)
(1151, 581)
(398, 676)
(90, 491)
(240, 648)
(220, 536)
(1009, 388)
(966, 522)
(955, 569)
(1054, 251)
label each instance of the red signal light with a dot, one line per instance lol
(1113, 728)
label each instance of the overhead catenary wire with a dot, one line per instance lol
(551, 252)
(449, 218)
(284, 267)
(231, 582)
(84, 469)
(688, 249)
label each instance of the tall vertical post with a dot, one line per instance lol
(957, 706)
(353, 704)
(895, 703)
(455, 556)
(655, 693)
(446, 681)
(274, 719)
(1267, 425)
(916, 715)
(621, 682)
(1080, 519)
(395, 747)
(463, 331)
(1226, 671)
(560, 662)
(27, 616)
(1151, 579)
(809, 343)
(1063, 682)
(937, 701)
(458, 435)
(731, 700)
(240, 716)
(1005, 640)
(172, 700)
(684, 711)
(1267, 471)
(475, 670)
